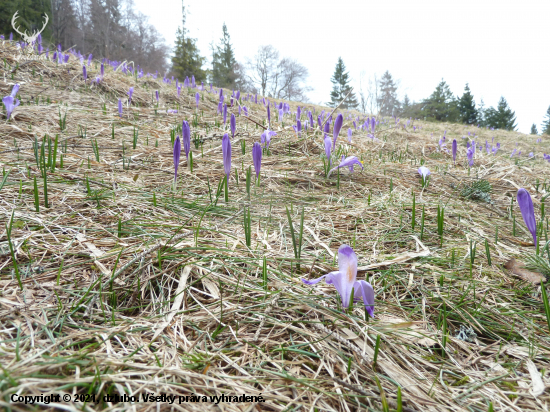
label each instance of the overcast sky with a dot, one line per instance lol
(499, 47)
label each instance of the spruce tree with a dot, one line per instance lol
(388, 103)
(467, 107)
(341, 87)
(186, 60)
(502, 117)
(534, 129)
(546, 122)
(481, 114)
(223, 62)
(441, 105)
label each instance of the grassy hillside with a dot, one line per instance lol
(122, 284)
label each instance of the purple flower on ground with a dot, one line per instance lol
(130, 93)
(337, 126)
(470, 154)
(225, 113)
(328, 148)
(372, 124)
(349, 162)
(226, 150)
(349, 134)
(157, 96)
(455, 146)
(245, 110)
(344, 280)
(526, 206)
(177, 154)
(197, 99)
(84, 73)
(233, 125)
(257, 158)
(11, 103)
(119, 108)
(266, 137)
(186, 138)
(268, 116)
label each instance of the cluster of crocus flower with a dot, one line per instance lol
(10, 101)
(345, 280)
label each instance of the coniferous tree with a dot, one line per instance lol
(502, 117)
(187, 60)
(545, 129)
(441, 105)
(534, 129)
(341, 87)
(467, 107)
(224, 64)
(387, 101)
(481, 114)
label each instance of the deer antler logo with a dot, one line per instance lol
(32, 38)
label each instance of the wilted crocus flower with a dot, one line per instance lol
(344, 280)
(197, 99)
(424, 173)
(233, 125)
(186, 137)
(349, 162)
(526, 206)
(257, 158)
(226, 150)
(130, 93)
(119, 108)
(349, 134)
(84, 73)
(177, 154)
(455, 146)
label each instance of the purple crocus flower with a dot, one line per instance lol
(11, 103)
(266, 137)
(320, 122)
(298, 113)
(89, 59)
(186, 138)
(224, 113)
(197, 99)
(238, 95)
(470, 154)
(268, 116)
(130, 93)
(373, 124)
(233, 125)
(193, 81)
(455, 146)
(337, 126)
(177, 154)
(328, 148)
(119, 108)
(102, 70)
(349, 162)
(344, 280)
(349, 134)
(226, 150)
(15, 90)
(257, 158)
(157, 96)
(424, 173)
(245, 110)
(526, 206)
(84, 73)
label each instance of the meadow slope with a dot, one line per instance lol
(122, 284)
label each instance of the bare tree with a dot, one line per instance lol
(281, 79)
(262, 67)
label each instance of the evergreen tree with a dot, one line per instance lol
(406, 103)
(481, 114)
(502, 117)
(340, 88)
(223, 62)
(534, 129)
(546, 122)
(441, 105)
(387, 101)
(30, 17)
(186, 60)
(467, 107)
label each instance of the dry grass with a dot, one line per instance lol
(122, 296)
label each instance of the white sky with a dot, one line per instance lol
(499, 47)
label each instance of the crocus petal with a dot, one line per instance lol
(177, 154)
(314, 281)
(328, 148)
(337, 126)
(233, 124)
(15, 90)
(526, 206)
(257, 158)
(365, 290)
(186, 138)
(226, 150)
